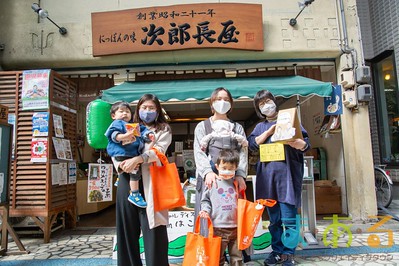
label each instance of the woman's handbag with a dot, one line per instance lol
(200, 250)
(248, 216)
(166, 188)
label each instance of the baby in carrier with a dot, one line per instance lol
(221, 136)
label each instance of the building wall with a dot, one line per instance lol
(379, 25)
(356, 138)
(315, 35)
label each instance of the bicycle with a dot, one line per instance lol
(383, 186)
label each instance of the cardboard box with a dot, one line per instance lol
(328, 200)
(3, 113)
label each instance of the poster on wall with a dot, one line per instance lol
(99, 183)
(55, 174)
(67, 149)
(58, 127)
(59, 148)
(39, 148)
(63, 174)
(35, 89)
(62, 148)
(72, 173)
(59, 174)
(40, 124)
(333, 104)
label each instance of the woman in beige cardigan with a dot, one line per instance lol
(130, 219)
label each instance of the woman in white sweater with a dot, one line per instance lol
(221, 103)
(130, 220)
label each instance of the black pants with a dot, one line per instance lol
(197, 207)
(133, 177)
(129, 220)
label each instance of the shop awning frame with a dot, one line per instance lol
(201, 89)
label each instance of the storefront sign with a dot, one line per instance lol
(162, 28)
(333, 104)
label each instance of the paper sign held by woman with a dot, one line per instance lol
(287, 126)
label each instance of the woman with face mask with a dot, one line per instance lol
(279, 180)
(221, 103)
(130, 219)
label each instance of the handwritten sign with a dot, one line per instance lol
(99, 183)
(162, 28)
(272, 152)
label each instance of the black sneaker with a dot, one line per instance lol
(288, 260)
(273, 259)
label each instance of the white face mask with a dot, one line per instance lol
(226, 174)
(221, 106)
(268, 109)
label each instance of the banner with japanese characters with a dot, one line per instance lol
(35, 89)
(99, 183)
(163, 28)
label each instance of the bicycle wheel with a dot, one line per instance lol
(383, 188)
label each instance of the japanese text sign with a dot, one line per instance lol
(99, 183)
(3, 113)
(271, 152)
(162, 28)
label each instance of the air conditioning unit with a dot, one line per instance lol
(363, 74)
(346, 79)
(349, 99)
(346, 62)
(364, 93)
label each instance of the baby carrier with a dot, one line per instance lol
(214, 147)
(217, 144)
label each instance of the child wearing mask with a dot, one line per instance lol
(220, 204)
(123, 144)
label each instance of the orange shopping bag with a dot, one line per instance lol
(248, 216)
(200, 250)
(166, 188)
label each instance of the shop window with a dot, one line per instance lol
(387, 102)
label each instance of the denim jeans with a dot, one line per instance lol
(279, 214)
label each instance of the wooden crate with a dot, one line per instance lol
(328, 200)
(31, 191)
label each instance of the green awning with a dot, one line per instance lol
(201, 89)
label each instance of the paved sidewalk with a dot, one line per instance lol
(94, 247)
